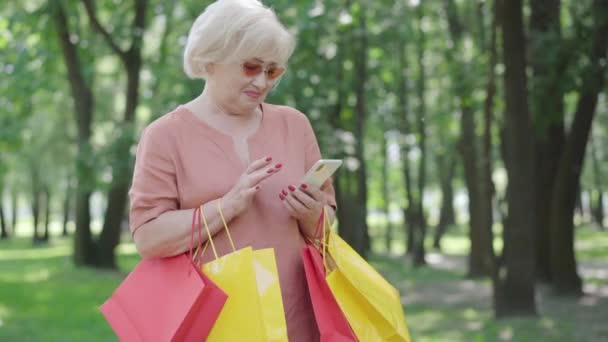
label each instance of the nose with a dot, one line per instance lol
(261, 80)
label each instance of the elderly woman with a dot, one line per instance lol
(228, 144)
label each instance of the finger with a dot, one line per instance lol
(289, 208)
(304, 198)
(258, 164)
(315, 193)
(298, 207)
(258, 176)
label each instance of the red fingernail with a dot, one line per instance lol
(292, 188)
(304, 186)
(284, 192)
(278, 166)
(270, 171)
(268, 159)
(281, 197)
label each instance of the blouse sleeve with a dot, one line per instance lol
(312, 155)
(154, 187)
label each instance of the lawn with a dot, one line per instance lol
(43, 297)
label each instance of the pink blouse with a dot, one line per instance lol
(182, 162)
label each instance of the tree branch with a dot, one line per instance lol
(70, 53)
(90, 9)
(139, 23)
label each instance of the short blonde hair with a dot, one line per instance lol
(234, 30)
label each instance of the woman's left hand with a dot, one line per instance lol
(305, 204)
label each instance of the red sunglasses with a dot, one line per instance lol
(252, 69)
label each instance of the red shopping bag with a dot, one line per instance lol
(166, 299)
(332, 324)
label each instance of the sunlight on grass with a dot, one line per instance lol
(126, 248)
(506, 334)
(55, 250)
(37, 276)
(591, 244)
(4, 314)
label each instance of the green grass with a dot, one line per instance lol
(43, 297)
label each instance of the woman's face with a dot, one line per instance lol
(240, 87)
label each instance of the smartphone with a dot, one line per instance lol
(320, 172)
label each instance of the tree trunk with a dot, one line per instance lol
(122, 167)
(486, 186)
(336, 123)
(67, 206)
(548, 110)
(599, 209)
(4, 230)
(386, 201)
(117, 198)
(360, 236)
(480, 216)
(598, 200)
(405, 130)
(447, 167)
(420, 236)
(47, 213)
(516, 295)
(35, 206)
(36, 202)
(563, 261)
(14, 210)
(82, 95)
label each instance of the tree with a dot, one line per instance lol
(476, 154)
(567, 183)
(598, 193)
(516, 288)
(547, 107)
(83, 98)
(122, 163)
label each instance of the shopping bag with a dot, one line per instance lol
(332, 324)
(254, 309)
(371, 305)
(269, 290)
(167, 299)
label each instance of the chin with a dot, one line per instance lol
(253, 102)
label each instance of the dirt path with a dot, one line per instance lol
(589, 312)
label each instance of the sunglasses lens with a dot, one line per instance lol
(252, 69)
(275, 72)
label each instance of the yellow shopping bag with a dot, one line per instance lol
(254, 309)
(371, 305)
(269, 290)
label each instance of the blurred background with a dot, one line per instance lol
(474, 134)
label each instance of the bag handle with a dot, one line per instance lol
(209, 238)
(195, 220)
(219, 210)
(322, 224)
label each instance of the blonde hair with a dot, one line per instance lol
(234, 30)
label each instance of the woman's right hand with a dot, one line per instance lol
(240, 196)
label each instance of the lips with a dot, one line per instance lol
(253, 94)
